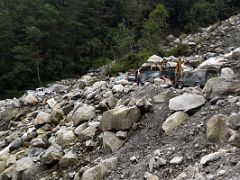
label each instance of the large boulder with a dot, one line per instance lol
(28, 174)
(100, 85)
(43, 118)
(53, 154)
(111, 141)
(8, 114)
(122, 118)
(118, 88)
(217, 131)
(227, 73)
(82, 114)
(22, 165)
(65, 137)
(220, 87)
(149, 176)
(174, 121)
(57, 115)
(87, 133)
(30, 100)
(112, 102)
(236, 54)
(68, 160)
(234, 123)
(51, 102)
(2, 166)
(100, 171)
(160, 98)
(186, 102)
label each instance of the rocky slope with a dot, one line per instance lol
(95, 128)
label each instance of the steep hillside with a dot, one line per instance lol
(98, 127)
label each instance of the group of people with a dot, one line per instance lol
(177, 73)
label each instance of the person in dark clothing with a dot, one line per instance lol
(138, 77)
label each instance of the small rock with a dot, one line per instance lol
(51, 102)
(100, 171)
(221, 172)
(16, 144)
(210, 157)
(133, 159)
(121, 134)
(176, 160)
(80, 128)
(149, 176)
(156, 162)
(111, 141)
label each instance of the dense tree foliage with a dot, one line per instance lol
(45, 40)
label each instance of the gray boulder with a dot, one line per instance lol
(122, 118)
(43, 118)
(227, 73)
(21, 166)
(174, 121)
(87, 133)
(65, 137)
(234, 121)
(30, 173)
(217, 130)
(100, 171)
(236, 54)
(30, 100)
(220, 87)
(186, 102)
(111, 141)
(118, 88)
(53, 154)
(210, 157)
(8, 114)
(160, 98)
(68, 160)
(51, 102)
(82, 114)
(2, 166)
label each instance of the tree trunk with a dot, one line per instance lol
(38, 74)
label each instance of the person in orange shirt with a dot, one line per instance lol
(159, 65)
(178, 70)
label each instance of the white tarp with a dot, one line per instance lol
(155, 59)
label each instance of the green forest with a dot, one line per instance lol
(46, 40)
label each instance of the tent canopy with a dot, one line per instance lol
(155, 59)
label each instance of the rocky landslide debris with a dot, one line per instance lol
(96, 128)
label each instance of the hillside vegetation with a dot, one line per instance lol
(46, 40)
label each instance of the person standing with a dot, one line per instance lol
(178, 70)
(138, 77)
